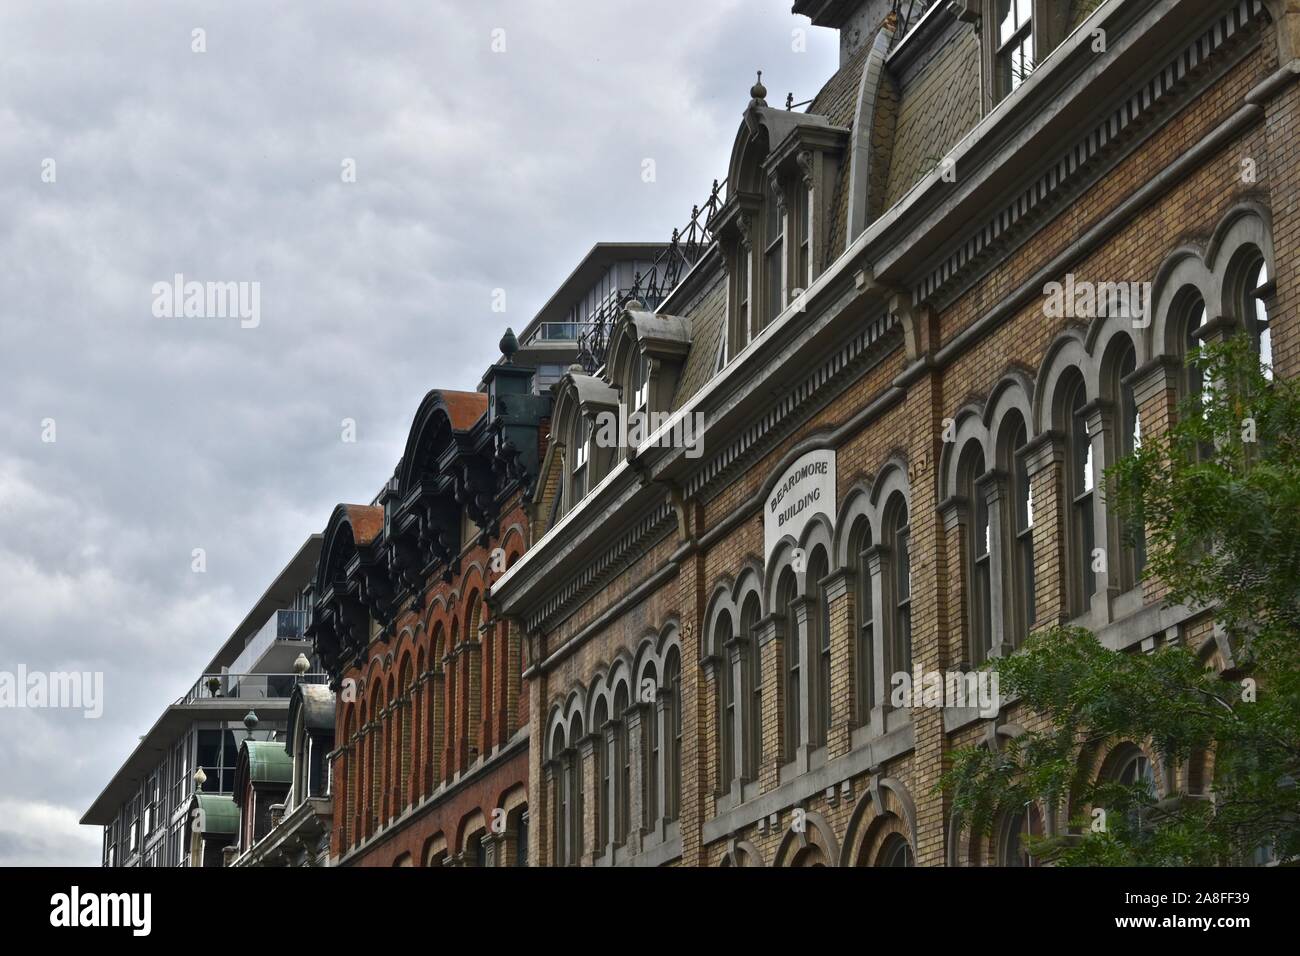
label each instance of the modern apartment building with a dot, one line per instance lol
(192, 750)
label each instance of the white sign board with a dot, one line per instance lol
(805, 489)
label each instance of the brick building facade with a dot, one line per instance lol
(902, 438)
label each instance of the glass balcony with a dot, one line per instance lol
(250, 687)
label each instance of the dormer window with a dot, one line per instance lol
(774, 250)
(581, 453)
(803, 240)
(1015, 38)
(641, 396)
(774, 226)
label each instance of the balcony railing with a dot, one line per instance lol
(251, 687)
(281, 626)
(557, 332)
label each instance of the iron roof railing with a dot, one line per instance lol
(652, 287)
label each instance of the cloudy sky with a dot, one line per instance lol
(475, 170)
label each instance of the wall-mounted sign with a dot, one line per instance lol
(805, 489)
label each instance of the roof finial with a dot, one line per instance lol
(758, 91)
(509, 345)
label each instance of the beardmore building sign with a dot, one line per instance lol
(554, 650)
(803, 491)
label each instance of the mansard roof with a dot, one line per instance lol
(314, 704)
(639, 329)
(220, 814)
(350, 527)
(442, 413)
(261, 762)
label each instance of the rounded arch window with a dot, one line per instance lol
(1021, 598)
(895, 851)
(897, 535)
(751, 689)
(722, 637)
(978, 548)
(1259, 290)
(1018, 830)
(787, 592)
(1079, 482)
(819, 644)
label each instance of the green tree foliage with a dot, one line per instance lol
(1219, 497)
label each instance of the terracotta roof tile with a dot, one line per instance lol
(366, 520)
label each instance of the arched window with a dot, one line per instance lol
(574, 782)
(1020, 603)
(352, 759)
(601, 770)
(1133, 551)
(1015, 833)
(652, 751)
(1079, 493)
(787, 593)
(744, 296)
(673, 745)
(895, 851)
(1259, 290)
(622, 767)
(640, 382)
(774, 251)
(865, 651)
(376, 763)
(819, 641)
(404, 743)
(1132, 768)
(978, 546)
(1192, 310)
(581, 454)
(752, 673)
(899, 585)
(560, 830)
(726, 704)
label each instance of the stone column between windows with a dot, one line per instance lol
(771, 642)
(839, 588)
(505, 847)
(929, 613)
(1100, 417)
(591, 841)
(1044, 464)
(1155, 394)
(993, 485)
(954, 513)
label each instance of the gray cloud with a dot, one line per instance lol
(476, 170)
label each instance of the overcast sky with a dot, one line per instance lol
(475, 170)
